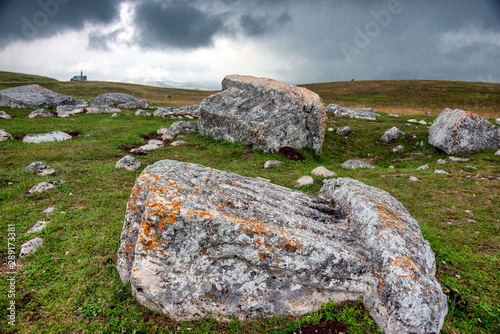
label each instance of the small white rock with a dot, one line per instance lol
(41, 187)
(398, 149)
(179, 143)
(441, 162)
(304, 181)
(413, 179)
(49, 210)
(30, 246)
(424, 167)
(440, 171)
(40, 225)
(156, 141)
(422, 122)
(412, 121)
(331, 129)
(270, 163)
(323, 172)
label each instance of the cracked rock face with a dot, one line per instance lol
(198, 241)
(459, 131)
(33, 96)
(265, 114)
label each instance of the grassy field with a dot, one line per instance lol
(71, 284)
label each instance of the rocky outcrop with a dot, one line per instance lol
(119, 100)
(459, 131)
(46, 137)
(198, 241)
(33, 96)
(40, 113)
(265, 114)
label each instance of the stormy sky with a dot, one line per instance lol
(197, 42)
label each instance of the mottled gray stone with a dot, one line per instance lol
(144, 149)
(182, 127)
(304, 181)
(265, 114)
(162, 131)
(198, 241)
(459, 131)
(102, 110)
(121, 100)
(398, 149)
(188, 111)
(344, 131)
(323, 172)
(4, 115)
(40, 225)
(440, 171)
(470, 167)
(441, 162)
(128, 162)
(270, 163)
(30, 246)
(4, 135)
(413, 179)
(41, 187)
(40, 113)
(39, 168)
(457, 159)
(355, 164)
(392, 134)
(142, 112)
(46, 137)
(50, 210)
(33, 96)
(356, 113)
(422, 122)
(333, 107)
(423, 167)
(392, 115)
(156, 141)
(179, 143)
(412, 121)
(69, 110)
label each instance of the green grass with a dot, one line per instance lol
(71, 284)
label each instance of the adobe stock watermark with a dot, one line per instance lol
(363, 37)
(11, 274)
(31, 26)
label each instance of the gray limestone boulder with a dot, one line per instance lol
(333, 107)
(30, 246)
(144, 149)
(128, 162)
(304, 181)
(189, 111)
(40, 225)
(120, 100)
(4, 135)
(356, 164)
(392, 134)
(41, 187)
(398, 149)
(265, 114)
(423, 167)
(46, 137)
(197, 241)
(39, 168)
(344, 131)
(4, 115)
(142, 112)
(457, 159)
(40, 113)
(101, 110)
(182, 127)
(33, 96)
(359, 113)
(459, 131)
(69, 110)
(323, 172)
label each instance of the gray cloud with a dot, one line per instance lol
(28, 20)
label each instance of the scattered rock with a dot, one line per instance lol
(179, 143)
(497, 121)
(33, 96)
(323, 172)
(422, 122)
(182, 127)
(441, 162)
(497, 153)
(114, 115)
(344, 131)
(424, 167)
(472, 221)
(30, 247)
(128, 162)
(188, 111)
(412, 121)
(120, 100)
(355, 164)
(458, 131)
(398, 149)
(393, 115)
(359, 113)
(144, 149)
(50, 210)
(140, 112)
(262, 179)
(162, 131)
(156, 141)
(167, 137)
(4, 135)
(270, 163)
(40, 113)
(40, 225)
(392, 134)
(439, 171)
(4, 115)
(413, 179)
(265, 114)
(330, 129)
(39, 168)
(257, 250)
(470, 167)
(102, 110)
(46, 137)
(41, 187)
(304, 181)
(333, 107)
(69, 110)
(428, 113)
(457, 159)
(391, 167)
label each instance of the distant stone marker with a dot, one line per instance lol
(33, 96)
(265, 114)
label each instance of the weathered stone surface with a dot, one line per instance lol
(179, 143)
(117, 99)
(457, 159)
(304, 181)
(497, 120)
(142, 112)
(423, 167)
(440, 171)
(167, 137)
(50, 210)
(156, 141)
(182, 127)
(128, 162)
(355, 164)
(198, 241)
(356, 113)
(441, 162)
(270, 163)
(101, 110)
(33, 96)
(323, 172)
(69, 110)
(40, 225)
(4, 135)
(30, 246)
(188, 111)
(459, 131)
(161, 131)
(392, 115)
(46, 137)
(413, 179)
(41, 187)
(333, 107)
(265, 114)
(392, 134)
(144, 149)
(412, 120)
(40, 113)
(330, 130)
(398, 149)
(344, 131)
(39, 168)
(4, 115)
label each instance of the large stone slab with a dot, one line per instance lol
(120, 100)
(33, 96)
(264, 113)
(459, 131)
(198, 241)
(46, 137)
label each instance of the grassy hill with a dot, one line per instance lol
(398, 96)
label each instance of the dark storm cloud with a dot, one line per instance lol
(256, 25)
(28, 19)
